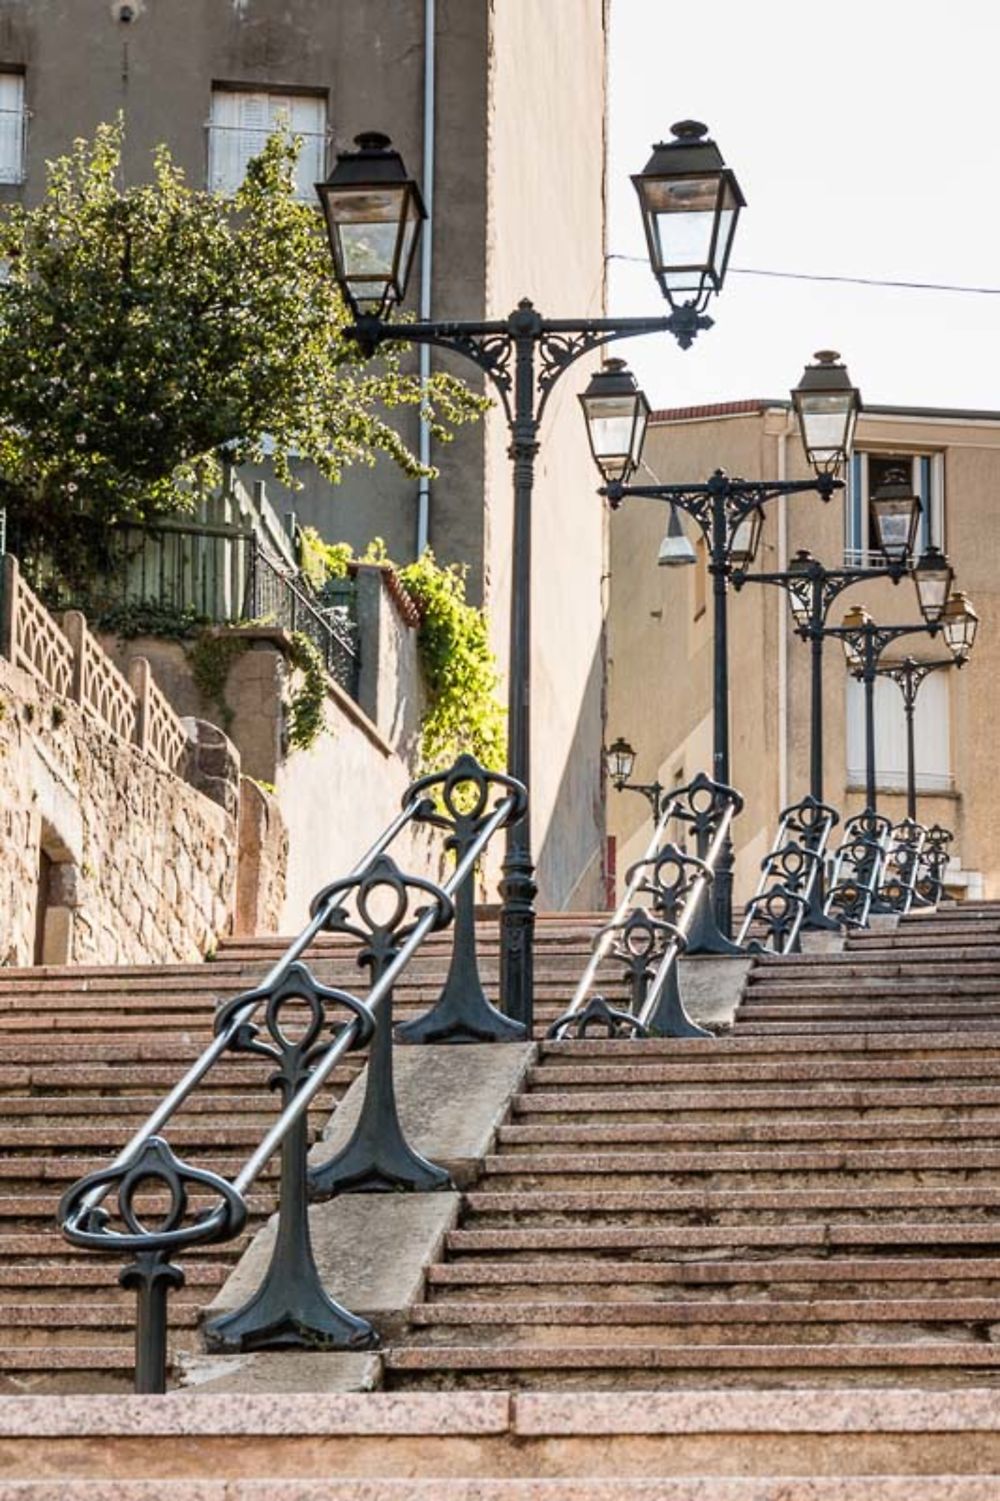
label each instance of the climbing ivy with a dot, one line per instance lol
(212, 656)
(464, 713)
(306, 716)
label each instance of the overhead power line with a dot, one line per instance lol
(857, 281)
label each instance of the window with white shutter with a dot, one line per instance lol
(931, 734)
(242, 120)
(12, 122)
(867, 471)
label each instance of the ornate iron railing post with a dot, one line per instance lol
(291, 1306)
(462, 1013)
(378, 1157)
(152, 1278)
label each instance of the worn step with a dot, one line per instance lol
(732, 1207)
(641, 1238)
(807, 1321)
(841, 1135)
(640, 1366)
(836, 1276)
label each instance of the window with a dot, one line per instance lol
(240, 124)
(12, 127)
(931, 734)
(867, 472)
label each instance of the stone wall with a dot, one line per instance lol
(107, 858)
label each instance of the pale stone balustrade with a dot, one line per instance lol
(75, 666)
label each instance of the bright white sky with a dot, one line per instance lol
(866, 138)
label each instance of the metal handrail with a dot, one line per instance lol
(859, 865)
(223, 1040)
(304, 1068)
(789, 872)
(293, 610)
(677, 943)
(607, 934)
(898, 890)
(656, 1008)
(933, 862)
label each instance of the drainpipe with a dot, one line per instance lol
(426, 267)
(782, 605)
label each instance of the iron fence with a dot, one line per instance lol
(274, 597)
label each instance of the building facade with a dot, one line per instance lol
(661, 633)
(499, 110)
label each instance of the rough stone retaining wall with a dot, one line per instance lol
(138, 867)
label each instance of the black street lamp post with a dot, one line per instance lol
(730, 513)
(864, 641)
(908, 675)
(690, 203)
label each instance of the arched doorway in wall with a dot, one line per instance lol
(55, 899)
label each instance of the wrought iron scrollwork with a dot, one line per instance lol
(154, 1167)
(291, 1306)
(933, 862)
(158, 1177)
(378, 1157)
(461, 806)
(858, 868)
(670, 882)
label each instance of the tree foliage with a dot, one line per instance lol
(147, 331)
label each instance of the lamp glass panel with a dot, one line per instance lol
(682, 215)
(932, 592)
(798, 603)
(366, 225)
(612, 427)
(728, 210)
(828, 425)
(894, 520)
(852, 652)
(743, 548)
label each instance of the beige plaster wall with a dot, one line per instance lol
(144, 866)
(545, 234)
(653, 630)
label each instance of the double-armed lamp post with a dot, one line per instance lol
(690, 204)
(864, 641)
(730, 514)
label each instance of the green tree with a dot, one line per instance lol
(145, 332)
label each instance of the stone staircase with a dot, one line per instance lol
(85, 1055)
(759, 1268)
(810, 1201)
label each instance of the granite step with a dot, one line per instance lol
(790, 1236)
(844, 1135)
(753, 1208)
(543, 1323)
(644, 1367)
(839, 1276)
(722, 1168)
(832, 1102)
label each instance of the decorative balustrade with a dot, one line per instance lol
(774, 915)
(72, 663)
(31, 639)
(858, 869)
(649, 942)
(300, 1029)
(158, 731)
